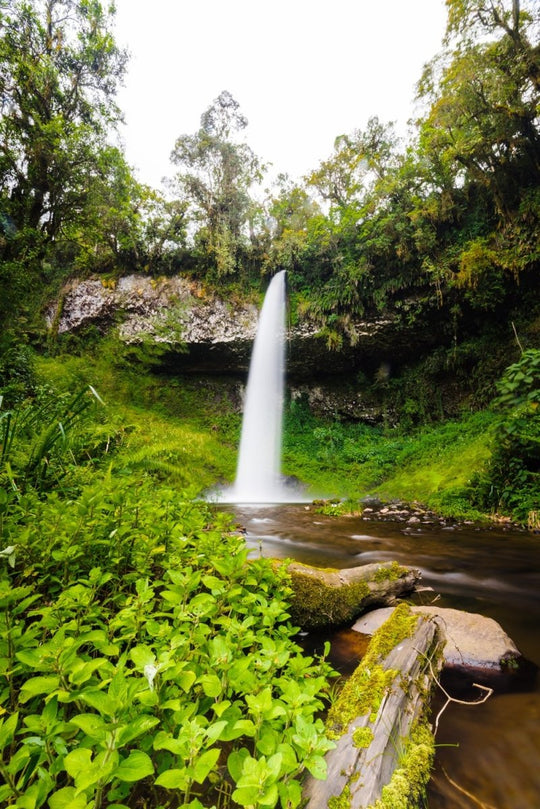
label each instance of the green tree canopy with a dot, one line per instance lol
(59, 70)
(216, 174)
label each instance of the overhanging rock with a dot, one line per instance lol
(203, 333)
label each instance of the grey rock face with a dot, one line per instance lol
(203, 334)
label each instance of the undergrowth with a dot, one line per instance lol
(433, 465)
(144, 660)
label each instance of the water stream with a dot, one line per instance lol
(488, 755)
(492, 572)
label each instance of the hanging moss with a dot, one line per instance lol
(407, 787)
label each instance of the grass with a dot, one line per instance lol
(174, 428)
(187, 430)
(432, 465)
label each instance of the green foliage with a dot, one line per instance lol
(177, 429)
(41, 438)
(216, 173)
(511, 481)
(17, 375)
(143, 657)
(433, 464)
(60, 68)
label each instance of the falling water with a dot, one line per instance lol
(258, 474)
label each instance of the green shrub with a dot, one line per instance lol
(143, 659)
(511, 481)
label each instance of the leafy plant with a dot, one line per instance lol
(38, 438)
(143, 656)
(512, 478)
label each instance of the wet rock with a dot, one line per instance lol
(472, 641)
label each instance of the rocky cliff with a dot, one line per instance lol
(204, 334)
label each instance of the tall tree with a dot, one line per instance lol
(216, 173)
(59, 70)
(484, 96)
(358, 162)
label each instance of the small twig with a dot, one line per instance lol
(468, 794)
(449, 699)
(517, 338)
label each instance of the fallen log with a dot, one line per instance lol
(330, 598)
(384, 745)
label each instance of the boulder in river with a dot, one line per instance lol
(472, 641)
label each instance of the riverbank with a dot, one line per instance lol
(414, 516)
(193, 425)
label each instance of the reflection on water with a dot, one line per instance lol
(496, 763)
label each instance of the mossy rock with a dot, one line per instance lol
(325, 598)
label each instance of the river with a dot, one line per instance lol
(488, 755)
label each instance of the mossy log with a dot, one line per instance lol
(325, 598)
(384, 746)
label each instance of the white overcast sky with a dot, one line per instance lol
(303, 71)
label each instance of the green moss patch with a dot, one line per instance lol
(365, 689)
(316, 605)
(409, 781)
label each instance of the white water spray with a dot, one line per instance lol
(258, 473)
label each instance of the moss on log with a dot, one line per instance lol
(329, 598)
(384, 746)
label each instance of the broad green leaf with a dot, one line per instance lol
(268, 741)
(173, 779)
(91, 724)
(5, 793)
(317, 766)
(270, 796)
(82, 671)
(242, 727)
(30, 657)
(289, 758)
(7, 730)
(100, 701)
(78, 761)
(290, 793)
(67, 798)
(202, 604)
(246, 796)
(216, 729)
(140, 725)
(205, 764)
(185, 679)
(135, 767)
(235, 763)
(142, 656)
(273, 766)
(38, 685)
(211, 685)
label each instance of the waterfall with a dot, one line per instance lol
(258, 474)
